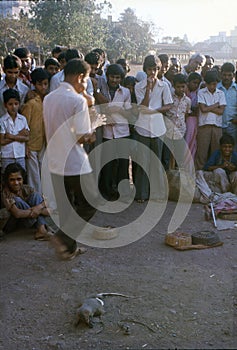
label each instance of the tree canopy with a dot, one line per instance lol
(80, 24)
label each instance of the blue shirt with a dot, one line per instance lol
(230, 111)
(216, 159)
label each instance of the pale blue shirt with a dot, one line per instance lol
(230, 111)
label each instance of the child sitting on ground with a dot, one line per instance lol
(25, 205)
(14, 131)
(220, 171)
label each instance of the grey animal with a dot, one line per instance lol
(93, 307)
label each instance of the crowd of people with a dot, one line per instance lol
(185, 116)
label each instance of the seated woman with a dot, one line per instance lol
(220, 171)
(25, 205)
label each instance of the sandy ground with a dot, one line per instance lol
(184, 299)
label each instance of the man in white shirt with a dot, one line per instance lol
(118, 109)
(59, 77)
(67, 127)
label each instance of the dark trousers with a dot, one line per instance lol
(78, 203)
(115, 170)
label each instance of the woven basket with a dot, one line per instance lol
(207, 238)
(178, 239)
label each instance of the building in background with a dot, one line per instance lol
(13, 8)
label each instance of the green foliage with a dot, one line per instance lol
(80, 24)
(70, 23)
(18, 32)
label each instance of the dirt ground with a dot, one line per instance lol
(186, 300)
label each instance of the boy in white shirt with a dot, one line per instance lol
(212, 103)
(14, 131)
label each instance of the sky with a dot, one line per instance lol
(198, 19)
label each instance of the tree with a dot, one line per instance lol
(130, 37)
(19, 32)
(70, 22)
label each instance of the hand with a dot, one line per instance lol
(230, 166)
(99, 121)
(90, 138)
(23, 132)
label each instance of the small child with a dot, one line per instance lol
(14, 131)
(33, 111)
(194, 80)
(175, 121)
(220, 170)
(212, 103)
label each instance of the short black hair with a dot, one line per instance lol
(51, 61)
(163, 58)
(11, 61)
(130, 80)
(227, 139)
(22, 52)
(73, 53)
(76, 66)
(10, 93)
(228, 67)
(115, 69)
(93, 57)
(179, 78)
(62, 56)
(56, 49)
(194, 76)
(211, 76)
(38, 75)
(11, 169)
(151, 61)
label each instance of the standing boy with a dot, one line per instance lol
(229, 87)
(11, 68)
(212, 103)
(14, 131)
(118, 109)
(33, 111)
(26, 65)
(175, 121)
(154, 98)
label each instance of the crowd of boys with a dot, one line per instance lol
(157, 109)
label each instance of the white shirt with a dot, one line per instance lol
(20, 87)
(14, 149)
(207, 98)
(59, 78)
(66, 117)
(152, 125)
(122, 98)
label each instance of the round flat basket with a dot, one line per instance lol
(207, 238)
(104, 233)
(178, 239)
